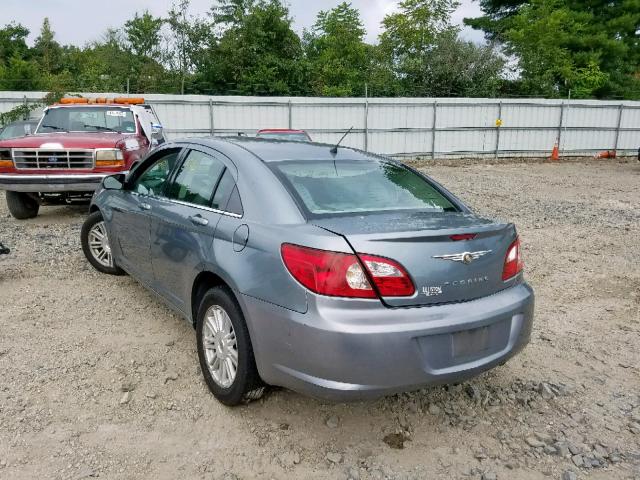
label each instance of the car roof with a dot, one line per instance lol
(271, 150)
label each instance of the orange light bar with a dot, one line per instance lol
(72, 100)
(129, 101)
(6, 164)
(101, 100)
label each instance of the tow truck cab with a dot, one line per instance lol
(76, 144)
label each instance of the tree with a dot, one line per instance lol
(338, 56)
(408, 38)
(458, 68)
(13, 42)
(19, 74)
(143, 34)
(428, 58)
(46, 50)
(412, 30)
(231, 13)
(587, 46)
(257, 52)
(189, 42)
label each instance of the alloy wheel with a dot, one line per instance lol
(99, 245)
(220, 346)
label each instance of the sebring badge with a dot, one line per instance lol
(464, 257)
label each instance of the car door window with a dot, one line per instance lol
(153, 180)
(196, 179)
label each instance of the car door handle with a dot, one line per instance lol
(198, 220)
(144, 206)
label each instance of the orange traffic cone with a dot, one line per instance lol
(555, 153)
(607, 154)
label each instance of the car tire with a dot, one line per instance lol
(219, 306)
(21, 205)
(96, 246)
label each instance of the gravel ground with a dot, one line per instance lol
(99, 379)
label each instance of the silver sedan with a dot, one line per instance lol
(332, 272)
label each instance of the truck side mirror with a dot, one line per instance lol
(157, 135)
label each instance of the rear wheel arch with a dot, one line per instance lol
(202, 283)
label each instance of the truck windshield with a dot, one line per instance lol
(88, 119)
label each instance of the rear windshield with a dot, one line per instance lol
(88, 119)
(326, 187)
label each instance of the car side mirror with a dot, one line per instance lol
(113, 182)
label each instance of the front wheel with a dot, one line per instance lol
(21, 205)
(224, 349)
(96, 246)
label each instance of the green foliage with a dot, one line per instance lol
(143, 35)
(339, 59)
(12, 42)
(429, 59)
(46, 50)
(588, 47)
(257, 52)
(23, 111)
(20, 112)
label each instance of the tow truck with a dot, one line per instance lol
(77, 143)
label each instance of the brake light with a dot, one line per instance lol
(341, 274)
(459, 237)
(513, 263)
(390, 278)
(327, 273)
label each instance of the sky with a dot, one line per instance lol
(80, 21)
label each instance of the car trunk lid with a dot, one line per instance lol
(426, 245)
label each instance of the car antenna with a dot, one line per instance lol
(334, 149)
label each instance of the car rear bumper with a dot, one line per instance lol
(366, 350)
(78, 182)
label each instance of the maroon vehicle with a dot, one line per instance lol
(284, 134)
(76, 144)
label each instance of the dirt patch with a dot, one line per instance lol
(99, 379)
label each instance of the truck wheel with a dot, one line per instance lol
(21, 205)
(96, 246)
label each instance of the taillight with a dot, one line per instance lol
(327, 273)
(513, 263)
(390, 278)
(341, 274)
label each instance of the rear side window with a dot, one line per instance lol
(223, 192)
(328, 187)
(234, 205)
(196, 179)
